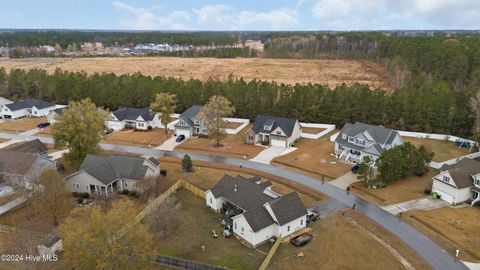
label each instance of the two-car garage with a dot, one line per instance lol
(183, 131)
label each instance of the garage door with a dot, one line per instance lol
(275, 142)
(443, 195)
(182, 131)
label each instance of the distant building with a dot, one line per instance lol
(276, 131)
(26, 108)
(134, 118)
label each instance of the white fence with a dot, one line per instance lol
(433, 136)
(232, 131)
(328, 128)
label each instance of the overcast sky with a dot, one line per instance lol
(241, 15)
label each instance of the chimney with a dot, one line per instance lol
(235, 189)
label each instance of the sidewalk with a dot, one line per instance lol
(427, 203)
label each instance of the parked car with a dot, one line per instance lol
(302, 239)
(355, 168)
(43, 125)
(180, 138)
(313, 215)
(463, 144)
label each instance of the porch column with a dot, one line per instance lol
(106, 191)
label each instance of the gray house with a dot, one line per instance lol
(276, 131)
(22, 169)
(190, 123)
(135, 118)
(358, 140)
(104, 175)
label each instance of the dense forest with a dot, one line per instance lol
(437, 109)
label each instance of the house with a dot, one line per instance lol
(52, 115)
(34, 147)
(459, 182)
(24, 108)
(135, 118)
(190, 123)
(22, 169)
(257, 213)
(274, 131)
(358, 140)
(106, 174)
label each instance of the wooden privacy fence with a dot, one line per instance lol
(186, 264)
(10, 230)
(270, 254)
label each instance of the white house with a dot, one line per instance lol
(257, 213)
(24, 108)
(358, 140)
(459, 183)
(52, 115)
(5, 101)
(276, 131)
(135, 118)
(103, 175)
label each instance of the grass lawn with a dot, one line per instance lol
(338, 244)
(309, 158)
(444, 150)
(46, 131)
(154, 137)
(312, 130)
(194, 225)
(452, 228)
(21, 125)
(2, 140)
(232, 145)
(407, 189)
(232, 125)
(205, 178)
(11, 196)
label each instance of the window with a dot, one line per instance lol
(205, 130)
(477, 182)
(126, 184)
(141, 124)
(344, 136)
(351, 139)
(360, 142)
(243, 229)
(288, 228)
(446, 178)
(250, 137)
(279, 132)
(301, 222)
(235, 224)
(197, 122)
(211, 201)
(75, 185)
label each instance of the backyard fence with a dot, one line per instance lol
(270, 254)
(186, 264)
(193, 189)
(11, 230)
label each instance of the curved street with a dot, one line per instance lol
(435, 255)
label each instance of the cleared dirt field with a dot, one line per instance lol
(452, 228)
(289, 71)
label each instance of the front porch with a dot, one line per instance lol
(104, 190)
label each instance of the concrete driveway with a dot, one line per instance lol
(272, 152)
(345, 180)
(427, 203)
(58, 155)
(169, 144)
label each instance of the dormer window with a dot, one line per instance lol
(279, 132)
(351, 139)
(268, 125)
(446, 178)
(344, 136)
(196, 122)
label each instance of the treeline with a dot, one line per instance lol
(65, 38)
(217, 53)
(414, 62)
(437, 109)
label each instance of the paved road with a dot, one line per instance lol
(430, 251)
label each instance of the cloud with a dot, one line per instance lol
(214, 13)
(275, 20)
(144, 19)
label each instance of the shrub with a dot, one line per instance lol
(134, 194)
(163, 172)
(477, 204)
(265, 143)
(75, 194)
(125, 191)
(108, 131)
(150, 127)
(60, 167)
(427, 191)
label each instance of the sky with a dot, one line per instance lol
(241, 15)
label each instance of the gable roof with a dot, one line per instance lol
(258, 218)
(288, 208)
(286, 124)
(190, 113)
(29, 103)
(15, 162)
(60, 111)
(111, 168)
(462, 172)
(380, 134)
(133, 113)
(32, 147)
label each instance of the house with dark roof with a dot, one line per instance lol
(459, 182)
(274, 131)
(104, 175)
(358, 140)
(257, 213)
(5, 101)
(52, 115)
(35, 147)
(26, 108)
(134, 118)
(190, 123)
(22, 169)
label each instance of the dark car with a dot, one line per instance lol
(43, 125)
(180, 138)
(302, 239)
(462, 144)
(355, 168)
(313, 215)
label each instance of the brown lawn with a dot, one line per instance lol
(444, 150)
(312, 130)
(46, 131)
(232, 145)
(407, 189)
(289, 71)
(153, 138)
(452, 228)
(309, 158)
(194, 224)
(338, 244)
(205, 178)
(21, 125)
(232, 125)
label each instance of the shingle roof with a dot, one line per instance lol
(288, 208)
(258, 218)
(190, 113)
(15, 162)
(108, 169)
(380, 134)
(60, 111)
(32, 147)
(286, 124)
(29, 103)
(133, 113)
(462, 172)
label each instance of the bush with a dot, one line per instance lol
(150, 127)
(75, 194)
(265, 143)
(134, 194)
(427, 191)
(163, 172)
(125, 191)
(477, 204)
(436, 195)
(108, 131)
(85, 195)
(60, 167)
